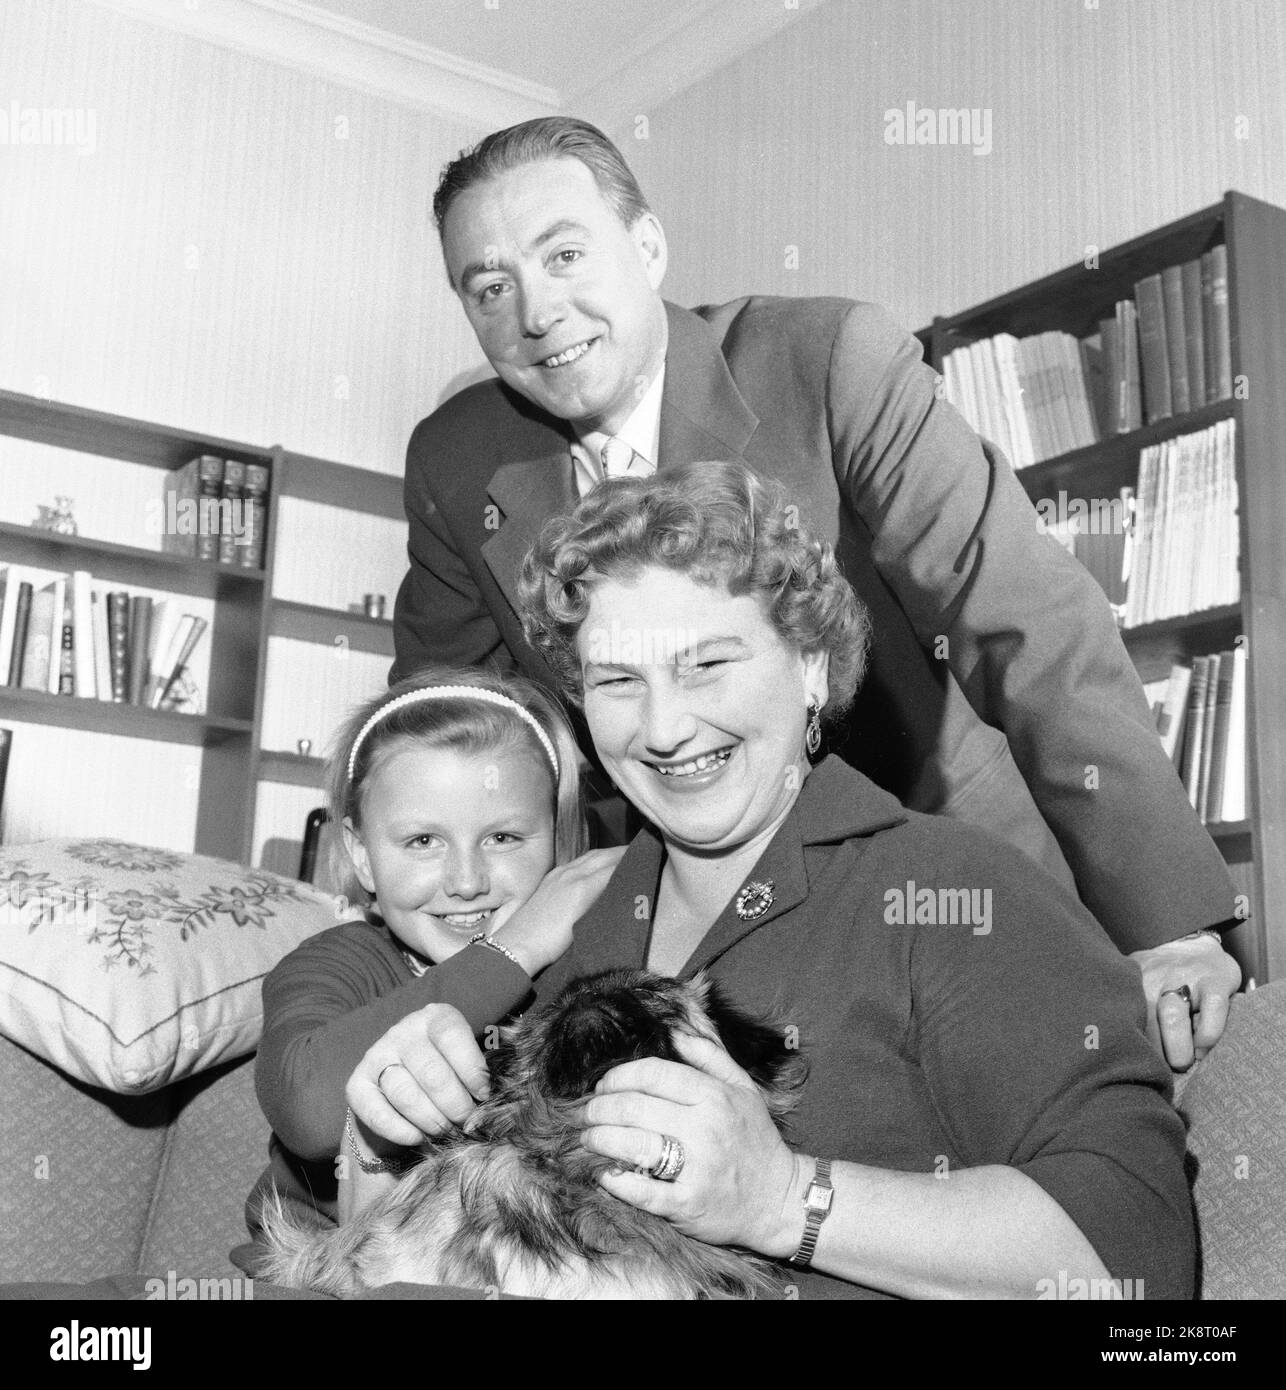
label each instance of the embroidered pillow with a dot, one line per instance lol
(131, 967)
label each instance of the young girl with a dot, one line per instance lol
(457, 795)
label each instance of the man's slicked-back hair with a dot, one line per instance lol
(547, 137)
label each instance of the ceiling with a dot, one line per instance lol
(569, 46)
(492, 62)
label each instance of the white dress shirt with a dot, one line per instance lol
(642, 432)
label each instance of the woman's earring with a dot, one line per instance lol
(813, 738)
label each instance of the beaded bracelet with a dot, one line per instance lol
(372, 1165)
(482, 939)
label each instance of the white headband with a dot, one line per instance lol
(452, 692)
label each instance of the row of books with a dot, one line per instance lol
(217, 510)
(75, 636)
(1201, 718)
(1164, 352)
(1185, 337)
(1029, 395)
(1185, 552)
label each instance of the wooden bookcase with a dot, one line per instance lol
(245, 612)
(1073, 301)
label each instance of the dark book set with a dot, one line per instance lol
(216, 510)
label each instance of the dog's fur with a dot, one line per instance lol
(510, 1202)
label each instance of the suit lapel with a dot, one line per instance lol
(528, 492)
(703, 414)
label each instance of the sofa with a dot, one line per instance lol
(100, 1182)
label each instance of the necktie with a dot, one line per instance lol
(617, 458)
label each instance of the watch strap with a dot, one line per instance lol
(817, 1205)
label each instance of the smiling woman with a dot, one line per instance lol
(935, 1051)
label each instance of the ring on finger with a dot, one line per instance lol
(668, 1167)
(1184, 992)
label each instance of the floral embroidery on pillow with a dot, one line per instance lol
(120, 854)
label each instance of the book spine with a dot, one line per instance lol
(178, 493)
(1176, 338)
(1195, 734)
(209, 507)
(6, 744)
(83, 633)
(102, 644)
(1234, 778)
(118, 635)
(1194, 332)
(1153, 348)
(1207, 323)
(140, 629)
(1132, 393)
(1171, 724)
(1208, 736)
(1219, 385)
(18, 642)
(1219, 745)
(67, 650)
(37, 640)
(250, 553)
(231, 510)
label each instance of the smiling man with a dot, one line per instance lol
(999, 690)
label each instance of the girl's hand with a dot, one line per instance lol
(423, 1077)
(541, 929)
(739, 1181)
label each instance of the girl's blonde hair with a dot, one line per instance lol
(464, 725)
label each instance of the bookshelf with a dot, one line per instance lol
(1073, 301)
(246, 614)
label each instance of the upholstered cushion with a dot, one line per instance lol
(1236, 1118)
(80, 1170)
(131, 967)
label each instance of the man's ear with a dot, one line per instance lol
(358, 856)
(649, 239)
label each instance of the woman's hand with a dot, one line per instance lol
(541, 929)
(423, 1077)
(738, 1182)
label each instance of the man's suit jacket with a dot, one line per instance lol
(998, 683)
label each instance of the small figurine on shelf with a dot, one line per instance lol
(57, 518)
(373, 604)
(305, 747)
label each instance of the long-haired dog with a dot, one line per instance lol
(511, 1202)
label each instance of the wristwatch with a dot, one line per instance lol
(817, 1207)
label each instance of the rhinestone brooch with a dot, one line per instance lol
(754, 900)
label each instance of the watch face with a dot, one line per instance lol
(820, 1199)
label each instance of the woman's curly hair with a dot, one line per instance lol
(716, 523)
